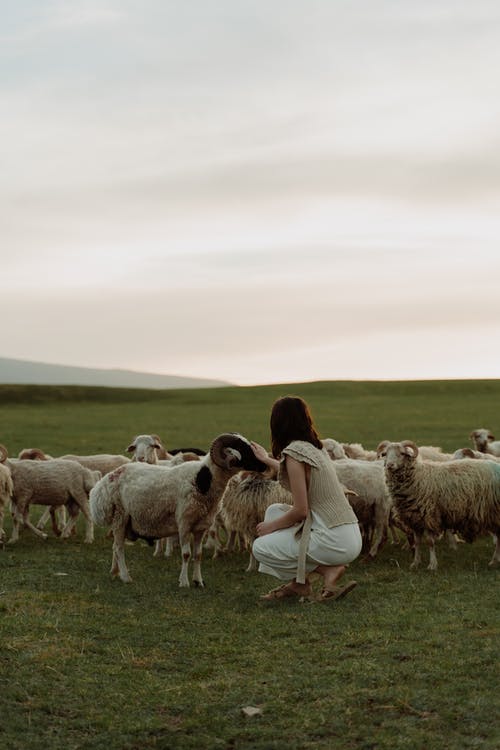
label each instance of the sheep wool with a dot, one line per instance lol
(431, 497)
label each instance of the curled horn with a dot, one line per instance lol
(219, 452)
(410, 444)
(3, 453)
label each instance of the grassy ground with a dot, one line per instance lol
(408, 660)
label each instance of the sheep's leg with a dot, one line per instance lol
(44, 517)
(379, 533)
(416, 555)
(433, 563)
(118, 564)
(169, 545)
(185, 542)
(17, 520)
(30, 526)
(70, 524)
(451, 539)
(197, 551)
(160, 545)
(252, 563)
(495, 560)
(82, 501)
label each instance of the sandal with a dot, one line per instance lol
(337, 592)
(283, 592)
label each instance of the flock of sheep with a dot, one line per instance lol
(217, 497)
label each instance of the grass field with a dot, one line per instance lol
(408, 660)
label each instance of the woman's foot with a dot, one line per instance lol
(331, 575)
(287, 590)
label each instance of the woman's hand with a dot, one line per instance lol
(265, 527)
(260, 452)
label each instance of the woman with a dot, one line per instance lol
(319, 532)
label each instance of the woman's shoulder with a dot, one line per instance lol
(303, 451)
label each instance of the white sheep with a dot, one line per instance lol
(356, 450)
(432, 498)
(103, 462)
(56, 482)
(150, 502)
(36, 454)
(148, 449)
(484, 441)
(469, 453)
(371, 501)
(334, 449)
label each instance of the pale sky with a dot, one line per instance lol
(253, 191)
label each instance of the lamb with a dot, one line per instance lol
(431, 498)
(56, 482)
(484, 441)
(103, 462)
(151, 502)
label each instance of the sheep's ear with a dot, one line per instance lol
(490, 436)
(232, 456)
(382, 448)
(204, 480)
(473, 434)
(158, 447)
(131, 448)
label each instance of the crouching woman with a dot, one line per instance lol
(319, 532)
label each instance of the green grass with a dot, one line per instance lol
(408, 660)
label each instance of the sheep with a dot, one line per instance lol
(356, 450)
(431, 497)
(469, 453)
(484, 441)
(150, 502)
(334, 449)
(148, 449)
(103, 462)
(6, 490)
(56, 482)
(371, 501)
(36, 454)
(425, 452)
(244, 503)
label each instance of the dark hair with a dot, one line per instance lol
(291, 420)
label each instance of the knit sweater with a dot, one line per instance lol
(325, 494)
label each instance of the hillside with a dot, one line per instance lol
(23, 372)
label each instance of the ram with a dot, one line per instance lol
(151, 502)
(432, 498)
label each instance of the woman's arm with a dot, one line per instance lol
(298, 485)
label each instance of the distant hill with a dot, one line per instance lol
(23, 372)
